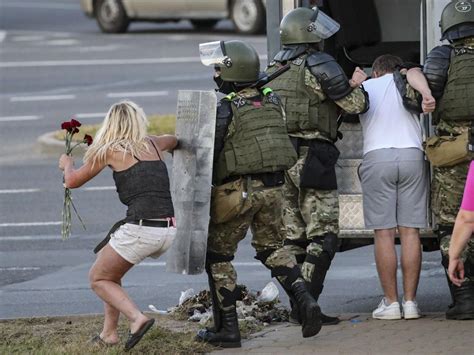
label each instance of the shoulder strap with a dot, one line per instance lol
(157, 151)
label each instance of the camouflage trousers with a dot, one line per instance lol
(263, 219)
(446, 196)
(466, 256)
(307, 213)
(447, 189)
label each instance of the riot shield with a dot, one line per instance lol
(192, 179)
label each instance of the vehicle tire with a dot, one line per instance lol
(204, 24)
(248, 16)
(111, 16)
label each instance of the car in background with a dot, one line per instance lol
(114, 16)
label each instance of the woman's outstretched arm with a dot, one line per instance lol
(74, 178)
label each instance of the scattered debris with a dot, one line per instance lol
(253, 310)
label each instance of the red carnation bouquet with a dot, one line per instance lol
(71, 128)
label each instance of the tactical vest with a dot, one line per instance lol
(457, 102)
(304, 109)
(257, 141)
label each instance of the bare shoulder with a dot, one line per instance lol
(165, 142)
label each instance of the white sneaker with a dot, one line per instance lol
(410, 310)
(387, 311)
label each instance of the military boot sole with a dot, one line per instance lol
(312, 322)
(325, 319)
(210, 337)
(460, 316)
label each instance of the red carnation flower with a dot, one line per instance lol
(75, 123)
(88, 139)
(67, 126)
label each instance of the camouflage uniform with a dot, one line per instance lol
(310, 214)
(263, 219)
(453, 115)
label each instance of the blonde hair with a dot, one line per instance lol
(124, 130)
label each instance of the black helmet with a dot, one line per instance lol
(236, 60)
(457, 20)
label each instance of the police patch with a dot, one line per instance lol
(463, 6)
(239, 102)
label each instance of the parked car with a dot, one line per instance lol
(114, 16)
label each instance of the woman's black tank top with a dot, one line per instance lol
(145, 189)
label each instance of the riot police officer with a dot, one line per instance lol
(449, 70)
(313, 91)
(252, 151)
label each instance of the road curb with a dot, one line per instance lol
(48, 144)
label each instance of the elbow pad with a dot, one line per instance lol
(436, 69)
(330, 75)
(411, 105)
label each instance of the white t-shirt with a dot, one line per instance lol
(387, 124)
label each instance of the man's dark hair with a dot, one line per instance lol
(386, 63)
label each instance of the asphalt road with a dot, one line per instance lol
(54, 63)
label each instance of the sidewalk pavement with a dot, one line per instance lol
(360, 334)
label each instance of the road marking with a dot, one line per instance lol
(19, 118)
(91, 115)
(162, 263)
(79, 62)
(138, 94)
(18, 191)
(30, 224)
(18, 268)
(3, 35)
(42, 98)
(99, 188)
(29, 5)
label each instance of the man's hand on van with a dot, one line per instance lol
(358, 77)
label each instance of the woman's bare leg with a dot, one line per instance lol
(105, 276)
(109, 332)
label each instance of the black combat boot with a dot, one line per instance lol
(321, 266)
(463, 302)
(294, 317)
(309, 311)
(225, 332)
(462, 307)
(228, 336)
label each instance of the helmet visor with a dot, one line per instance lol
(322, 25)
(213, 53)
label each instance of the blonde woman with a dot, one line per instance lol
(142, 183)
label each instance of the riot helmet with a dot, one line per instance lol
(457, 20)
(236, 61)
(303, 25)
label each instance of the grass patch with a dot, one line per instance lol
(71, 335)
(159, 124)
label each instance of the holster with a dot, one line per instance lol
(319, 170)
(229, 200)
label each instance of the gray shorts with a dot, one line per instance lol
(394, 188)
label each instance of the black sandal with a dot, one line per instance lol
(134, 338)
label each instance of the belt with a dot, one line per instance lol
(151, 223)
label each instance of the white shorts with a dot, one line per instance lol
(134, 242)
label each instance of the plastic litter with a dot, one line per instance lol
(269, 293)
(185, 295)
(155, 310)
